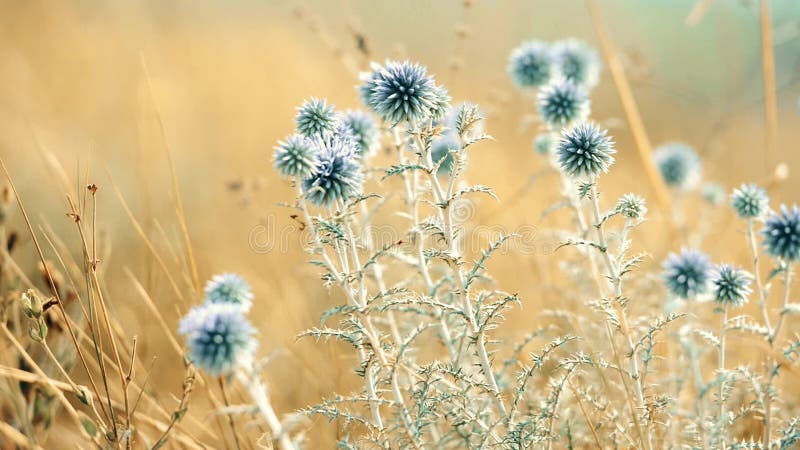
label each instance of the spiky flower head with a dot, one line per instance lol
(749, 201)
(229, 288)
(782, 234)
(713, 193)
(679, 165)
(561, 103)
(337, 175)
(363, 129)
(543, 144)
(577, 62)
(403, 91)
(686, 275)
(295, 156)
(631, 206)
(731, 285)
(368, 83)
(530, 64)
(440, 150)
(219, 337)
(316, 118)
(585, 150)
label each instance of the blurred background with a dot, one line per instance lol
(224, 81)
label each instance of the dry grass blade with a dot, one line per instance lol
(770, 92)
(629, 105)
(175, 187)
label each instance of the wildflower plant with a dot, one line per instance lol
(531, 64)
(614, 361)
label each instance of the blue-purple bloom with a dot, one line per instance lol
(219, 338)
(686, 275)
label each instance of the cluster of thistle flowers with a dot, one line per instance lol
(427, 402)
(219, 337)
(582, 153)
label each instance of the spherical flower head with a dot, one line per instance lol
(731, 286)
(338, 175)
(782, 234)
(713, 193)
(679, 165)
(363, 129)
(219, 338)
(315, 118)
(544, 143)
(440, 150)
(403, 91)
(749, 201)
(561, 103)
(229, 288)
(585, 151)
(368, 83)
(295, 156)
(530, 64)
(577, 62)
(631, 206)
(686, 275)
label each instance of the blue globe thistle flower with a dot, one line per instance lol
(338, 175)
(530, 64)
(686, 275)
(749, 201)
(561, 103)
(577, 62)
(219, 337)
(543, 144)
(316, 118)
(229, 288)
(585, 150)
(403, 91)
(679, 165)
(730, 285)
(782, 234)
(363, 129)
(713, 193)
(631, 206)
(440, 149)
(295, 156)
(368, 83)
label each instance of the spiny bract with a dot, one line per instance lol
(363, 129)
(679, 165)
(561, 103)
(731, 285)
(686, 275)
(229, 288)
(295, 156)
(338, 175)
(219, 337)
(315, 118)
(577, 62)
(782, 234)
(403, 91)
(585, 150)
(530, 64)
(631, 206)
(749, 201)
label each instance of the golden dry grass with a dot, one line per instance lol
(225, 79)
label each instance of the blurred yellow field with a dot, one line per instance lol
(441, 254)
